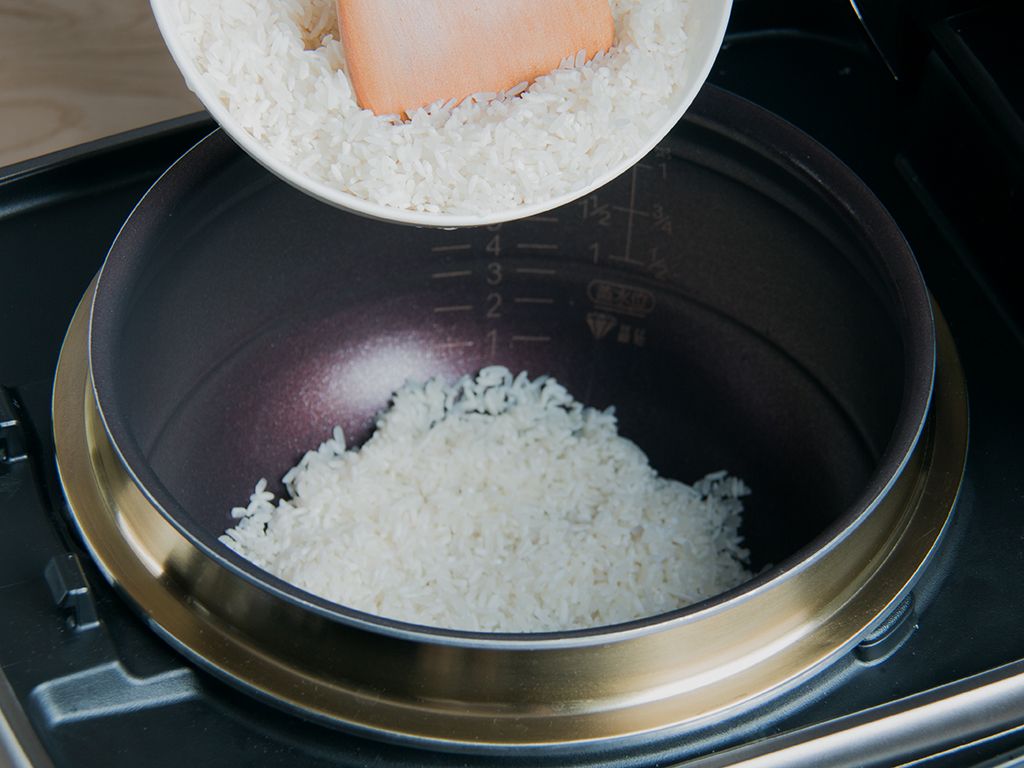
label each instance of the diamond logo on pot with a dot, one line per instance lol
(600, 323)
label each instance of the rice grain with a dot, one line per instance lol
(279, 69)
(495, 504)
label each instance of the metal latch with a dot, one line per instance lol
(12, 437)
(70, 590)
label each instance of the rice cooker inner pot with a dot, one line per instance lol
(735, 318)
(739, 297)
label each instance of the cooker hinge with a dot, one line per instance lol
(12, 437)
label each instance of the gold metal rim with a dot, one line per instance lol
(461, 697)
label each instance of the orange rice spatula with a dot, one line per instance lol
(404, 54)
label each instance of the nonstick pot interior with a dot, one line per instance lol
(738, 309)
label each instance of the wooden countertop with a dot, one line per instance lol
(76, 70)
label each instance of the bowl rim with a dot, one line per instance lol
(323, 192)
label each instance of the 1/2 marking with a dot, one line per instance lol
(594, 209)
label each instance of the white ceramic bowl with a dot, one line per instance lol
(705, 31)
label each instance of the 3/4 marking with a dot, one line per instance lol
(449, 275)
(448, 248)
(454, 308)
(661, 218)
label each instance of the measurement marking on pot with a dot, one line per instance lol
(535, 271)
(624, 209)
(537, 246)
(448, 248)
(449, 275)
(610, 296)
(454, 308)
(457, 344)
(632, 213)
(532, 300)
(532, 339)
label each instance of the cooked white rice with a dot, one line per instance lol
(279, 68)
(496, 504)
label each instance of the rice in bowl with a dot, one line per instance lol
(276, 70)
